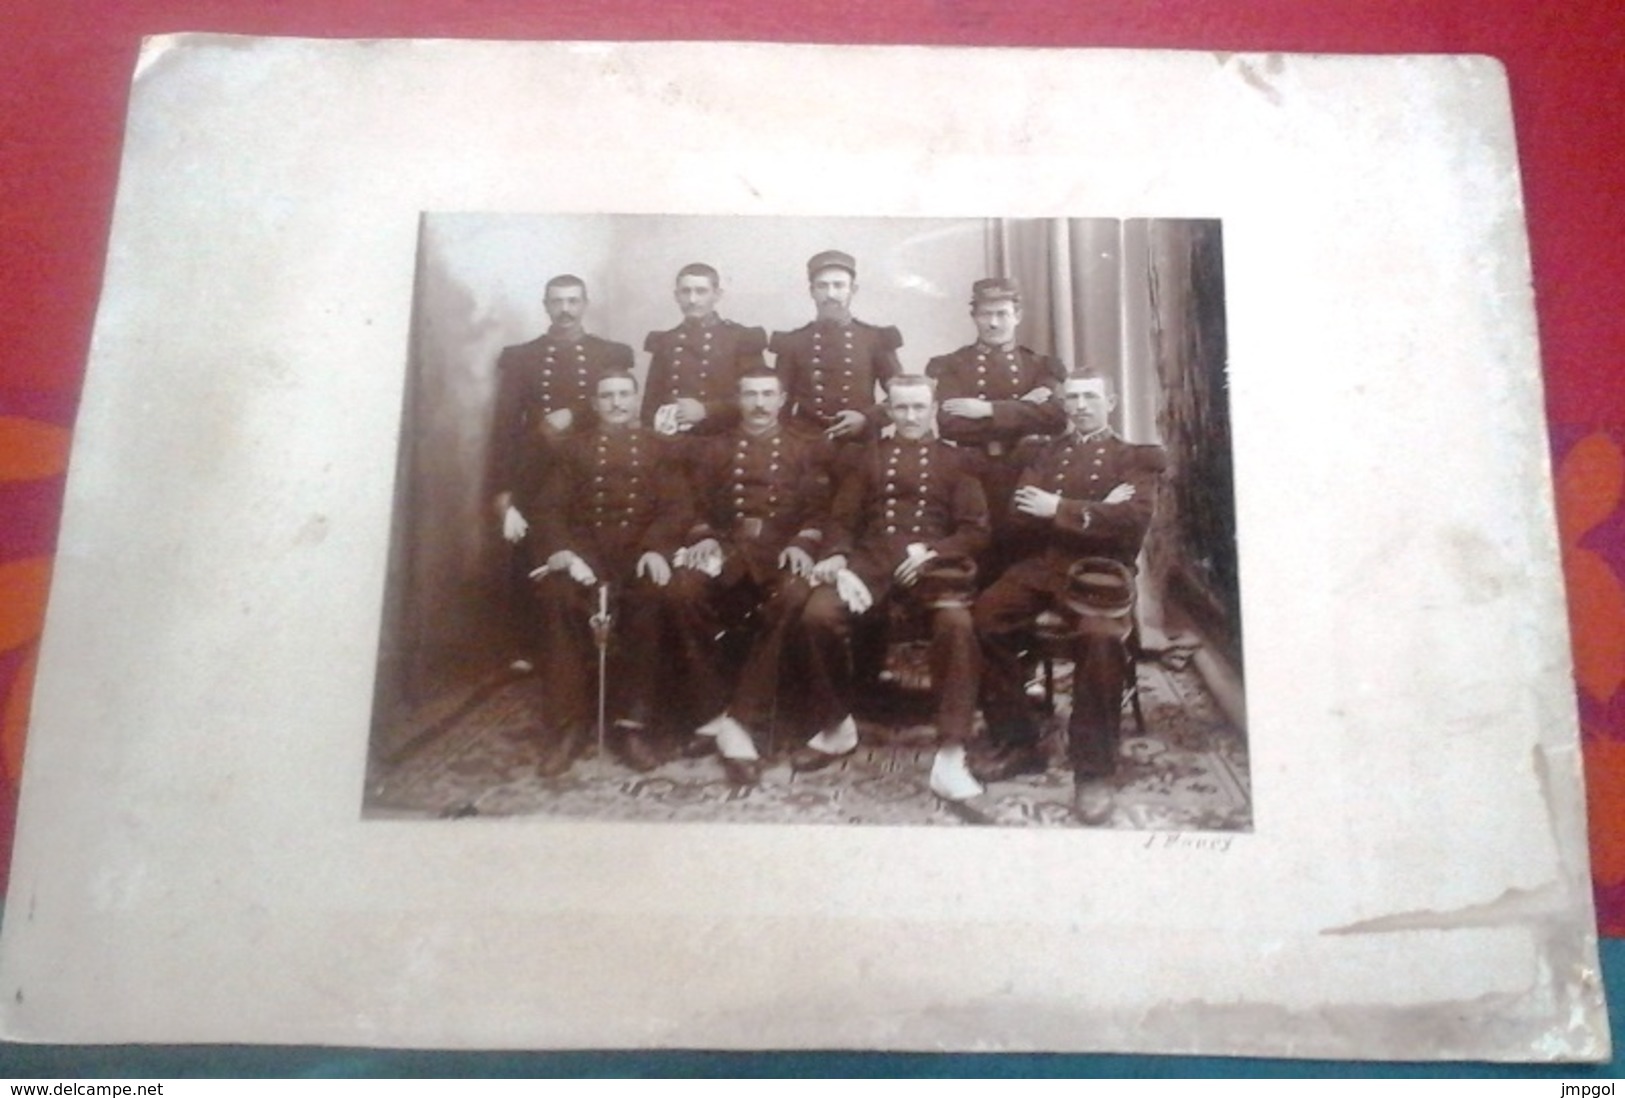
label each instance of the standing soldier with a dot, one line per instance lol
(609, 514)
(762, 495)
(1086, 497)
(833, 366)
(994, 393)
(544, 391)
(695, 369)
(907, 523)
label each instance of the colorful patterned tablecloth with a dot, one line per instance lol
(64, 73)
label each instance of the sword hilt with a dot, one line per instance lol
(603, 619)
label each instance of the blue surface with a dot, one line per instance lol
(235, 1061)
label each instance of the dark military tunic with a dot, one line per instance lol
(1002, 375)
(900, 492)
(1083, 471)
(896, 493)
(609, 496)
(539, 377)
(702, 362)
(756, 496)
(827, 367)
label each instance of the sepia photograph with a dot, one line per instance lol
(456, 494)
(815, 520)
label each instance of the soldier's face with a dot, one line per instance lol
(832, 289)
(996, 322)
(913, 409)
(696, 297)
(1087, 403)
(760, 399)
(565, 305)
(616, 401)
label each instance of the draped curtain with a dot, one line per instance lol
(1084, 297)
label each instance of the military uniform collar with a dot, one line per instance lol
(710, 320)
(988, 348)
(1100, 434)
(768, 435)
(610, 430)
(558, 340)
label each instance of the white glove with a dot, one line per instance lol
(566, 561)
(853, 591)
(1121, 494)
(514, 525)
(827, 569)
(909, 570)
(703, 556)
(654, 566)
(666, 419)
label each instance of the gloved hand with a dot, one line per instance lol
(514, 526)
(566, 561)
(655, 567)
(666, 422)
(853, 591)
(704, 555)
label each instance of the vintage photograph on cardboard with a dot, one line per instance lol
(283, 640)
(491, 659)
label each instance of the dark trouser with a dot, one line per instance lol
(518, 605)
(998, 476)
(567, 660)
(954, 660)
(700, 608)
(1004, 618)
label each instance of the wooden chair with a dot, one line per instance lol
(1053, 639)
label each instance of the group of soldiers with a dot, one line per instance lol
(702, 558)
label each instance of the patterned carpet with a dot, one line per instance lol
(469, 752)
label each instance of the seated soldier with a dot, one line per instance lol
(907, 523)
(607, 517)
(1085, 497)
(761, 494)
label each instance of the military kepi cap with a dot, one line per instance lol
(985, 291)
(946, 581)
(1099, 587)
(831, 259)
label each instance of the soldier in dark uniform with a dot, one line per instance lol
(834, 371)
(906, 508)
(1086, 496)
(695, 367)
(832, 367)
(762, 495)
(544, 391)
(993, 394)
(609, 515)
